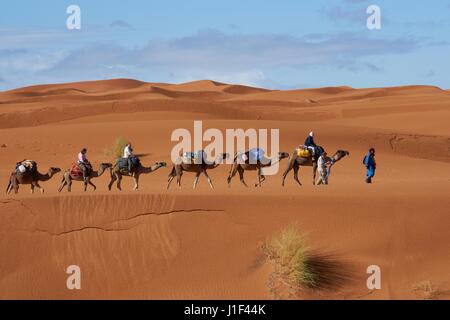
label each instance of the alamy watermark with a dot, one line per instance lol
(374, 20)
(74, 279)
(73, 21)
(235, 143)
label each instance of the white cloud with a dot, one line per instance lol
(237, 58)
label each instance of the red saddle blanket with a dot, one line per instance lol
(75, 170)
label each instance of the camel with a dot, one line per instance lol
(239, 167)
(32, 179)
(296, 161)
(198, 168)
(117, 174)
(68, 178)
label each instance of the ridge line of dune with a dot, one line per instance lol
(79, 230)
(168, 212)
(106, 229)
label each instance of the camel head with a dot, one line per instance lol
(53, 171)
(221, 157)
(340, 154)
(105, 166)
(283, 155)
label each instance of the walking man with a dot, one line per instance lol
(323, 166)
(369, 162)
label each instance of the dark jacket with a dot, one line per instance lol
(309, 142)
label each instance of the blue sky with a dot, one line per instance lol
(275, 44)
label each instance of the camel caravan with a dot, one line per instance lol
(129, 165)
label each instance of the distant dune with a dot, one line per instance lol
(203, 243)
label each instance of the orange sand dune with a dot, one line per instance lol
(175, 244)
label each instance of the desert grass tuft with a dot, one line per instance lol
(288, 250)
(426, 289)
(116, 151)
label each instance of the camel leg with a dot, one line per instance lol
(113, 178)
(119, 181)
(209, 179)
(289, 168)
(169, 181)
(233, 172)
(241, 176)
(36, 184)
(136, 181)
(15, 186)
(296, 169)
(93, 185)
(197, 176)
(258, 174)
(62, 185)
(9, 187)
(179, 174)
(12, 185)
(85, 183)
(263, 178)
(32, 188)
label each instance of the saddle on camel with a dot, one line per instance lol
(76, 172)
(128, 165)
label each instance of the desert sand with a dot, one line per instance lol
(206, 244)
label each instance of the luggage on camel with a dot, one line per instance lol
(253, 156)
(308, 151)
(303, 152)
(256, 155)
(26, 166)
(242, 157)
(197, 157)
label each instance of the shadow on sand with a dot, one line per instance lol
(329, 270)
